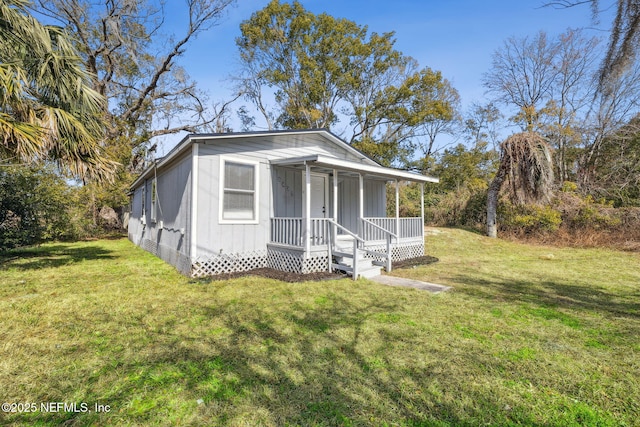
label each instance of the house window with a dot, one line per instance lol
(239, 195)
(143, 200)
(154, 200)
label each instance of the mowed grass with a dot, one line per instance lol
(529, 336)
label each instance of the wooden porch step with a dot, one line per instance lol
(344, 262)
(348, 261)
(367, 272)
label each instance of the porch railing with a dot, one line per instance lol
(287, 231)
(407, 228)
(319, 231)
(290, 231)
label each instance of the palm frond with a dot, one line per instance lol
(48, 108)
(21, 139)
(526, 158)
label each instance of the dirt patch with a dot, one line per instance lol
(284, 276)
(414, 262)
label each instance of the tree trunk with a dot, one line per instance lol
(492, 202)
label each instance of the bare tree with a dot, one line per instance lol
(552, 82)
(570, 97)
(522, 74)
(135, 64)
(526, 167)
(481, 125)
(624, 40)
(611, 111)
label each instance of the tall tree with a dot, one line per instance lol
(617, 176)
(134, 60)
(481, 125)
(440, 118)
(525, 165)
(610, 112)
(322, 69)
(570, 98)
(48, 109)
(300, 55)
(553, 84)
(135, 65)
(522, 74)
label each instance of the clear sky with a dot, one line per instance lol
(456, 37)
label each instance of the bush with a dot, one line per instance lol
(33, 206)
(463, 207)
(595, 215)
(528, 219)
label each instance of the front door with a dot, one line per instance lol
(319, 196)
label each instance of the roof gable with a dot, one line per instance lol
(324, 135)
(315, 134)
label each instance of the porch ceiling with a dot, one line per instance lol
(345, 165)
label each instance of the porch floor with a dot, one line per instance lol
(410, 283)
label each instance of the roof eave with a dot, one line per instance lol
(356, 167)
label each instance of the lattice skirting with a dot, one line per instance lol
(398, 253)
(228, 263)
(294, 261)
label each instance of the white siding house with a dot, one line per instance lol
(298, 201)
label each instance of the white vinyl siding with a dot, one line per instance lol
(238, 189)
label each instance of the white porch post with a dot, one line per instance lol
(335, 195)
(360, 202)
(422, 208)
(307, 211)
(333, 231)
(397, 209)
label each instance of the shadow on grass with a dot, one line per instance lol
(49, 256)
(554, 294)
(324, 365)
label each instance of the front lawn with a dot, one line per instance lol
(529, 336)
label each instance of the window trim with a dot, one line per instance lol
(154, 200)
(143, 197)
(256, 190)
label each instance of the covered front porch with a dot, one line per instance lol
(331, 214)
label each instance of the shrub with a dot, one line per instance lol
(33, 206)
(527, 219)
(463, 206)
(569, 187)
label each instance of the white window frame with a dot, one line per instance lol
(143, 197)
(256, 190)
(154, 200)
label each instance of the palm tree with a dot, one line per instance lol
(525, 163)
(48, 110)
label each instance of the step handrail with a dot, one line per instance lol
(356, 239)
(388, 239)
(349, 232)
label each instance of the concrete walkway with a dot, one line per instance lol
(410, 283)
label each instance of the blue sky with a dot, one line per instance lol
(456, 37)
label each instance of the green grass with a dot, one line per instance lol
(525, 338)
